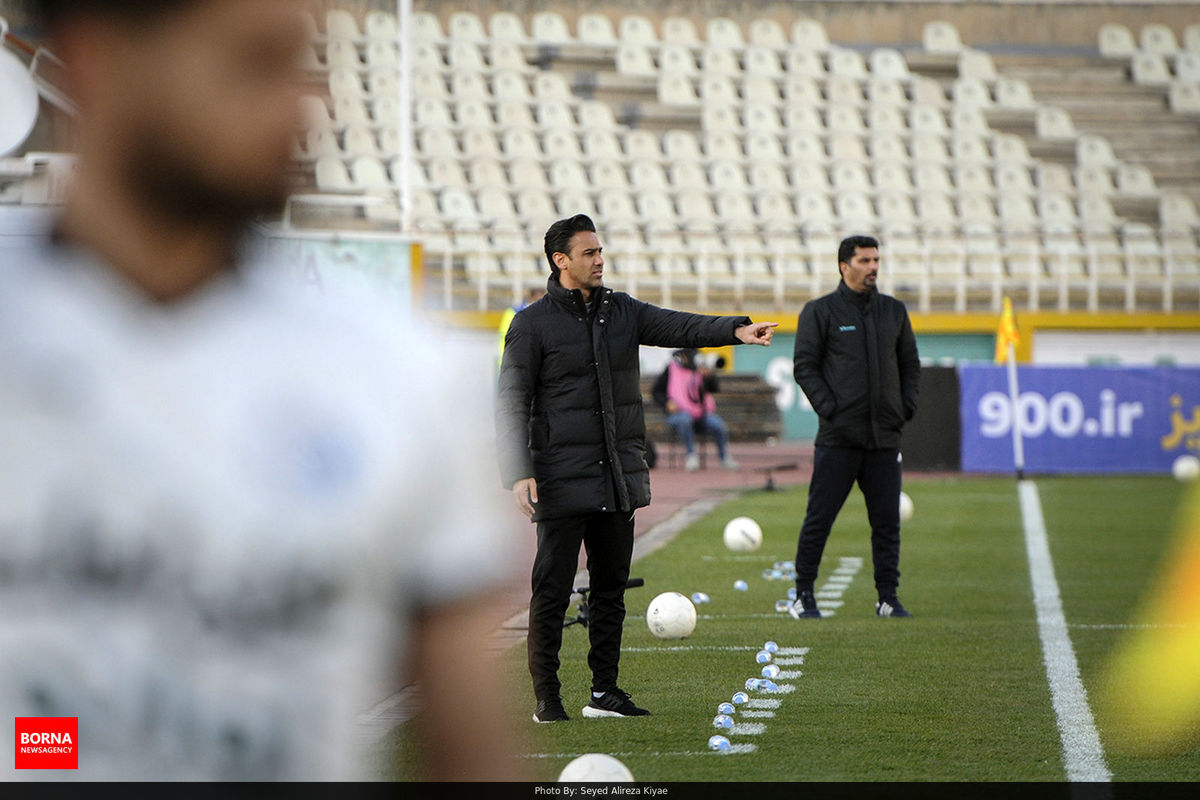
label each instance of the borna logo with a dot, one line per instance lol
(46, 743)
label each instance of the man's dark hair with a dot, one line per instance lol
(851, 243)
(558, 236)
(49, 13)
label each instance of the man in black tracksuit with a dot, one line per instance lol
(856, 360)
(572, 446)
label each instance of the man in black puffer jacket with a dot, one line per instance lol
(572, 446)
(856, 360)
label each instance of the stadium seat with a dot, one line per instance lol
(642, 144)
(487, 173)
(843, 119)
(596, 116)
(802, 117)
(342, 53)
(891, 176)
(848, 147)
(1017, 212)
(616, 206)
(471, 85)
(813, 210)
(681, 31)
(480, 143)
(464, 55)
(647, 174)
(764, 146)
(886, 118)
(843, 93)
(1010, 148)
(722, 145)
(515, 114)
(887, 148)
(657, 209)
(809, 177)
(973, 177)
(724, 32)
(520, 142)
(359, 141)
(340, 24)
(1176, 212)
(806, 63)
(854, 209)
(808, 34)
(764, 62)
(386, 111)
(315, 114)
(1054, 178)
(887, 63)
(941, 37)
(634, 60)
(608, 174)
(680, 145)
(847, 63)
(345, 82)
(318, 143)
(677, 59)
(767, 33)
(332, 176)
(446, 172)
(927, 120)
(636, 29)
(535, 206)
(968, 121)
(1149, 69)
(510, 86)
(720, 61)
(1115, 41)
(1191, 37)
(1093, 149)
(767, 177)
(929, 177)
(528, 173)
(555, 115)
(574, 201)
(382, 55)
(677, 91)
(727, 175)
(848, 176)
(1054, 124)
(935, 210)
(886, 93)
(601, 143)
(1013, 94)
(506, 56)
(1094, 179)
(762, 118)
(1184, 98)
(561, 144)
(968, 148)
(552, 86)
(896, 209)
(1013, 178)
(688, 175)
(971, 92)
(718, 89)
(1135, 180)
(1159, 39)
(758, 89)
(929, 148)
(805, 147)
(505, 26)
(976, 64)
(496, 206)
(1056, 210)
(801, 90)
(474, 114)
(696, 211)
(548, 27)
(976, 207)
(720, 118)
(596, 29)
(1187, 67)
(383, 82)
(466, 26)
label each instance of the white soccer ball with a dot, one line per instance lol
(906, 507)
(1186, 469)
(742, 535)
(595, 768)
(671, 616)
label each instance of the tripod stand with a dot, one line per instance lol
(583, 615)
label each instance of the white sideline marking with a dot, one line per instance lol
(791, 661)
(792, 651)
(789, 674)
(831, 604)
(691, 648)
(748, 729)
(764, 703)
(1082, 753)
(737, 616)
(763, 714)
(784, 688)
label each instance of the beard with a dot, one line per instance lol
(172, 185)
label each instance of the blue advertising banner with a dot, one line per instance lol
(1080, 419)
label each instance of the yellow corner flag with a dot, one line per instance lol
(1150, 694)
(1007, 332)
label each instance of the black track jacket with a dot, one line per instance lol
(569, 401)
(856, 360)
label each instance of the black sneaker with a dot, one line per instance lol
(889, 606)
(614, 703)
(804, 606)
(550, 710)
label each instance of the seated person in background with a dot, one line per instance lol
(685, 390)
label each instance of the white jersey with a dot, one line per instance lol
(217, 516)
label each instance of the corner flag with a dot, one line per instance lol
(1007, 335)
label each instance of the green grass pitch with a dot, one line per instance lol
(958, 693)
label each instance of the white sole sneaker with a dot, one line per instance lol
(599, 713)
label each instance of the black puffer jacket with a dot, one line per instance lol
(856, 360)
(569, 405)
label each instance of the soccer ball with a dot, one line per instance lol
(906, 507)
(671, 616)
(595, 768)
(1186, 468)
(742, 535)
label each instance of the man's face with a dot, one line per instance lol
(200, 105)
(861, 272)
(582, 267)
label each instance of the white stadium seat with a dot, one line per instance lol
(720, 61)
(466, 26)
(808, 34)
(889, 64)
(1116, 41)
(941, 37)
(724, 32)
(634, 60)
(1160, 39)
(636, 29)
(1094, 149)
(596, 29)
(680, 30)
(505, 26)
(767, 33)
(1054, 124)
(1150, 69)
(976, 64)
(547, 27)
